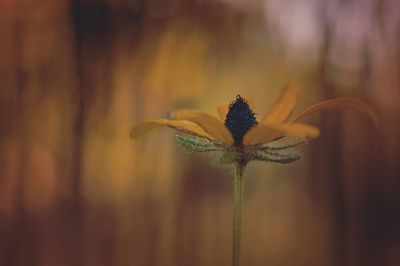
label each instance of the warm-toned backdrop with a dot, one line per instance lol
(76, 75)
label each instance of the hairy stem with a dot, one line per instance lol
(237, 211)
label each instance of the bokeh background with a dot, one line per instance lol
(75, 75)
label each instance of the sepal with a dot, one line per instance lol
(191, 143)
(275, 156)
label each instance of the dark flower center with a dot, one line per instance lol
(240, 119)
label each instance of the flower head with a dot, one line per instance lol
(238, 134)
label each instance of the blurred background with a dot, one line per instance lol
(75, 75)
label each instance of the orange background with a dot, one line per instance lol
(76, 75)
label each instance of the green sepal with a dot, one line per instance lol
(275, 156)
(283, 146)
(222, 155)
(191, 143)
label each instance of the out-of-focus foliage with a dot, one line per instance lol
(75, 75)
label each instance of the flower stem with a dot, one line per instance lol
(237, 211)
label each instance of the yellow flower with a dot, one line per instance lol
(237, 138)
(238, 127)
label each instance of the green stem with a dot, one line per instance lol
(237, 211)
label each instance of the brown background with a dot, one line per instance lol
(76, 75)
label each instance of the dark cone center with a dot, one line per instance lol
(240, 119)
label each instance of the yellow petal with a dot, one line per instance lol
(250, 101)
(268, 132)
(341, 103)
(260, 134)
(223, 109)
(209, 123)
(146, 127)
(283, 107)
(298, 130)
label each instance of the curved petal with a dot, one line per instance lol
(265, 133)
(209, 123)
(283, 107)
(299, 130)
(147, 127)
(250, 101)
(341, 103)
(223, 109)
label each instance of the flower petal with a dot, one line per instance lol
(283, 107)
(223, 109)
(147, 127)
(341, 103)
(263, 133)
(209, 123)
(298, 130)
